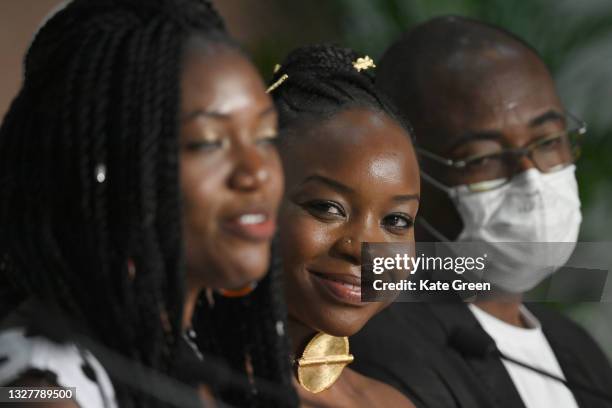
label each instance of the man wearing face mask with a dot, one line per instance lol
(497, 150)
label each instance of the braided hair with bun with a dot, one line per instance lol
(323, 80)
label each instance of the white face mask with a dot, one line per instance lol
(532, 207)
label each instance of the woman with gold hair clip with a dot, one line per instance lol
(351, 176)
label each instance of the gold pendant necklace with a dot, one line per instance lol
(322, 362)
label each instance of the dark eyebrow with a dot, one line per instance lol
(199, 112)
(550, 116)
(218, 115)
(406, 197)
(341, 187)
(336, 185)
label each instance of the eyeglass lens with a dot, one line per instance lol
(549, 154)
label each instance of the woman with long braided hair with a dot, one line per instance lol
(351, 176)
(137, 172)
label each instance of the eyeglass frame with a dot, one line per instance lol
(518, 151)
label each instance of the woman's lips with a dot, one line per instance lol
(343, 287)
(252, 226)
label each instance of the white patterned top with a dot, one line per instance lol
(68, 365)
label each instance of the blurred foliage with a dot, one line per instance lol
(295, 23)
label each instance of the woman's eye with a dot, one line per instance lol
(202, 145)
(398, 221)
(267, 139)
(324, 209)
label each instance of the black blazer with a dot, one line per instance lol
(407, 346)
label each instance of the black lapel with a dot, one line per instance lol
(493, 382)
(576, 362)
(571, 367)
(573, 370)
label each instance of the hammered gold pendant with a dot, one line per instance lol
(322, 362)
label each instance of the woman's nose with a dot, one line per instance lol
(348, 245)
(250, 171)
(348, 249)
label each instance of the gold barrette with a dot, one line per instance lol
(322, 362)
(364, 63)
(277, 83)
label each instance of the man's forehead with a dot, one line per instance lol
(506, 94)
(464, 75)
(465, 70)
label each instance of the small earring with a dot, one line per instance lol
(100, 173)
(280, 328)
(348, 240)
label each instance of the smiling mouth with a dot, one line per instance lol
(251, 226)
(342, 287)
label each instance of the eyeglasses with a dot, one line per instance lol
(492, 170)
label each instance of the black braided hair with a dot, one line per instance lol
(89, 182)
(250, 333)
(321, 81)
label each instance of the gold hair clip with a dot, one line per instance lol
(364, 63)
(277, 83)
